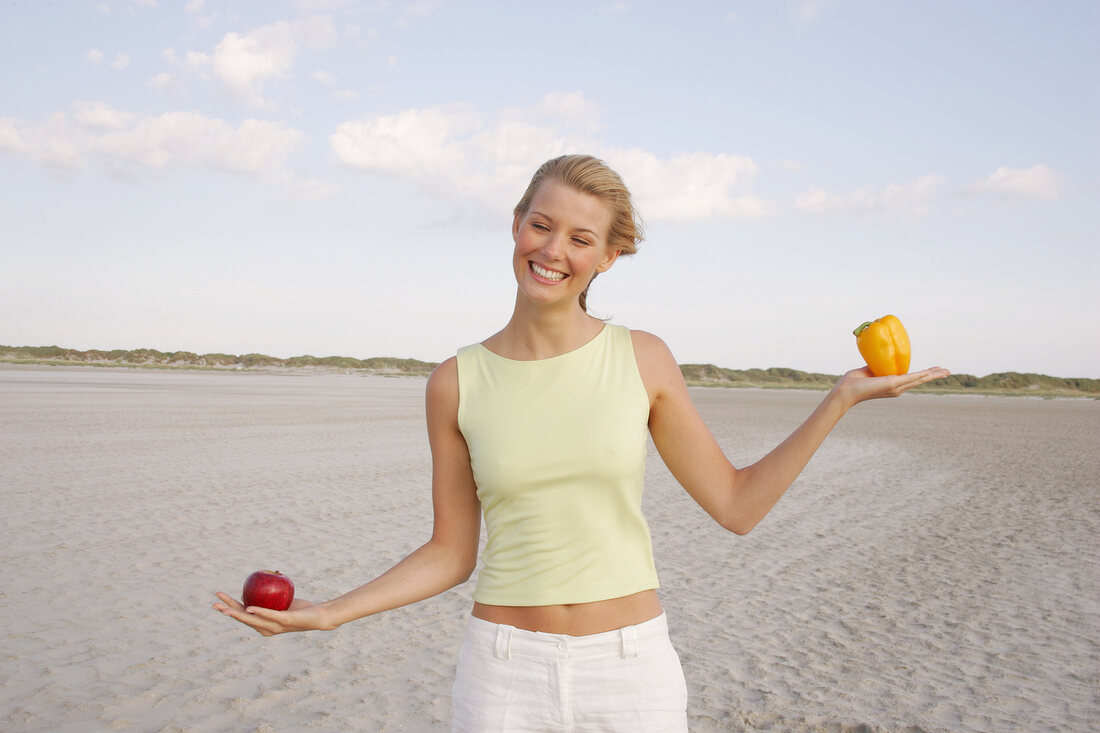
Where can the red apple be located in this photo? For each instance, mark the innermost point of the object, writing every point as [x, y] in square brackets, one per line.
[269, 589]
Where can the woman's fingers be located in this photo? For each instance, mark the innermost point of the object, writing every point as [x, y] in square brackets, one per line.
[227, 601]
[865, 386]
[268, 615]
[266, 621]
[263, 620]
[269, 622]
[923, 377]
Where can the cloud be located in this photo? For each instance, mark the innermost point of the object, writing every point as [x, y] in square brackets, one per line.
[324, 78]
[458, 151]
[246, 63]
[163, 82]
[414, 143]
[917, 197]
[315, 5]
[807, 10]
[10, 139]
[49, 143]
[201, 19]
[130, 4]
[316, 31]
[414, 10]
[914, 197]
[98, 116]
[123, 143]
[1037, 182]
[690, 186]
[568, 108]
[121, 60]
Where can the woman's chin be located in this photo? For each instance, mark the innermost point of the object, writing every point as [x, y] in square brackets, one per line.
[548, 296]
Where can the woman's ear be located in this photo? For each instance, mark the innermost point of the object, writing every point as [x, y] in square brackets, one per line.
[515, 225]
[608, 261]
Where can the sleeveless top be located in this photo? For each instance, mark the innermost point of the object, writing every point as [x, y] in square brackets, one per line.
[558, 451]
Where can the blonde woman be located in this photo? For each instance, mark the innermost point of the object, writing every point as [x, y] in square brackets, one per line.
[542, 429]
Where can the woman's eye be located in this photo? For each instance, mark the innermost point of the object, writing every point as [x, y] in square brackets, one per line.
[581, 241]
[541, 227]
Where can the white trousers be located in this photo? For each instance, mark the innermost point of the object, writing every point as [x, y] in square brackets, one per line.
[517, 681]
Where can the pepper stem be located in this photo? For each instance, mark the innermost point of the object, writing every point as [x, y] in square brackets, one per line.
[859, 330]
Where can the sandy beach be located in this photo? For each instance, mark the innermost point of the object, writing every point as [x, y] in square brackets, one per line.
[936, 568]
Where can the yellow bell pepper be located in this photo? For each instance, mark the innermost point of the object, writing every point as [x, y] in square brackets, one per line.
[884, 345]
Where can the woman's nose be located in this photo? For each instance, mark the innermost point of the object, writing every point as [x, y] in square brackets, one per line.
[552, 246]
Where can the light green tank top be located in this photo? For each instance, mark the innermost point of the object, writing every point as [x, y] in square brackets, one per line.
[558, 450]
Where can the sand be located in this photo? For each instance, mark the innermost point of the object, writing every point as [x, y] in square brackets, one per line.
[934, 569]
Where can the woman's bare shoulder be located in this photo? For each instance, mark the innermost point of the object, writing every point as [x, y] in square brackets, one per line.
[650, 347]
[656, 363]
[443, 383]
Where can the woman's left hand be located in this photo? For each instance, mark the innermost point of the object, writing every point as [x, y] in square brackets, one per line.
[860, 385]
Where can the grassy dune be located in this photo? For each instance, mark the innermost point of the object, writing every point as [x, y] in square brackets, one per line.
[700, 375]
[189, 360]
[1005, 383]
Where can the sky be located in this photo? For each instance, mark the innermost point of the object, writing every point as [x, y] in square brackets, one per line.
[337, 178]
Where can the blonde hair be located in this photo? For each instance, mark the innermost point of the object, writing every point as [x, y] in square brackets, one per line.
[592, 176]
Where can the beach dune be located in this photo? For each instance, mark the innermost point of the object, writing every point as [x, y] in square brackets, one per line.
[934, 569]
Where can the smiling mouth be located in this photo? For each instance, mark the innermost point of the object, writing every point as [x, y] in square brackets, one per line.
[547, 274]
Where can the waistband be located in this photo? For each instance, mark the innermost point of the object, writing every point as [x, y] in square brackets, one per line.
[507, 641]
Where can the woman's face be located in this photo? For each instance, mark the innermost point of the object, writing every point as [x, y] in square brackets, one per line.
[561, 243]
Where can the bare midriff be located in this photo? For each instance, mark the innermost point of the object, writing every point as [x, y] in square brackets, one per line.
[576, 619]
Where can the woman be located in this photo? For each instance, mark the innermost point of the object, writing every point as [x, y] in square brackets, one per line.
[542, 428]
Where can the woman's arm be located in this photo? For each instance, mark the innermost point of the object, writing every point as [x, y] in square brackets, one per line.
[446, 560]
[739, 498]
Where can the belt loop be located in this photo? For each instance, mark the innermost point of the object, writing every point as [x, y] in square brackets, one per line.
[630, 642]
[504, 641]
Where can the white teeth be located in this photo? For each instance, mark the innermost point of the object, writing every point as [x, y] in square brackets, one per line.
[547, 274]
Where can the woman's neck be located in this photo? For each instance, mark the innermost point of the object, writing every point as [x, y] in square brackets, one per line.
[541, 333]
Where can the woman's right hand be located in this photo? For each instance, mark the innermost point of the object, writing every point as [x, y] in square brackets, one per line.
[301, 616]
[444, 561]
